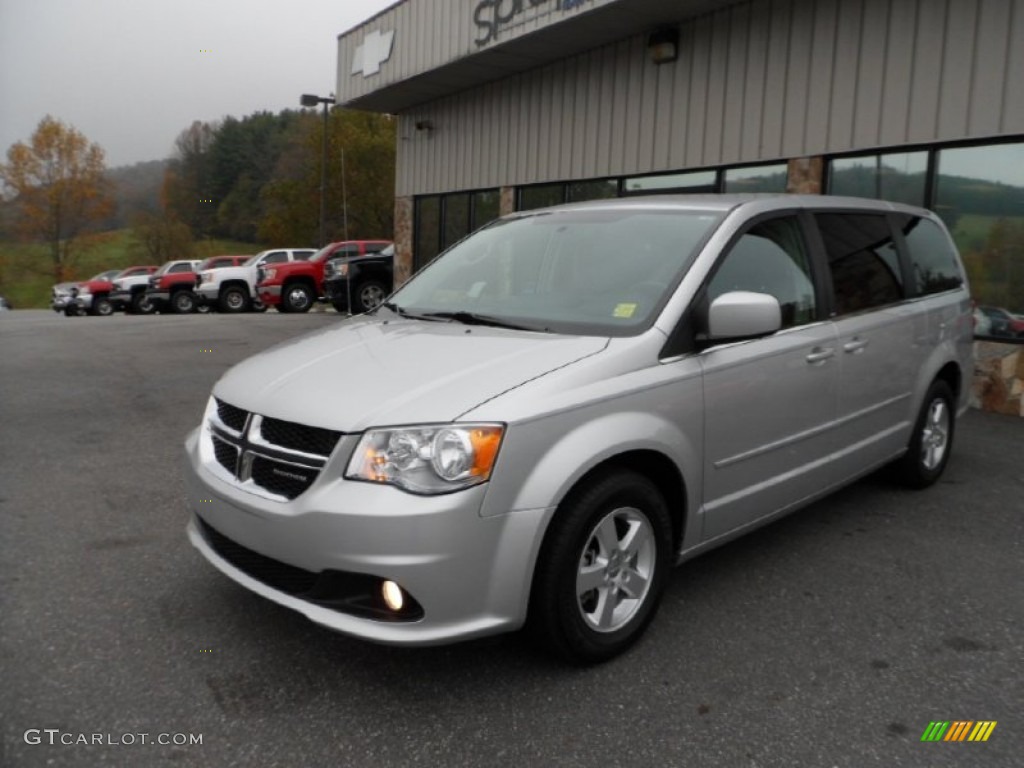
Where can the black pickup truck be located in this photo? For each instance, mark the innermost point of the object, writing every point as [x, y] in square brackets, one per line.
[368, 280]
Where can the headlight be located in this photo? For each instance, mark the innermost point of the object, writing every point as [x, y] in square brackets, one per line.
[427, 459]
[341, 270]
[268, 274]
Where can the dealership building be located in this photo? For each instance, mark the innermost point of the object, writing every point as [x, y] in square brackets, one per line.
[506, 105]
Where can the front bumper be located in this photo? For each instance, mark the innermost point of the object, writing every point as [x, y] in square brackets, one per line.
[470, 574]
[336, 290]
[120, 299]
[269, 294]
[159, 299]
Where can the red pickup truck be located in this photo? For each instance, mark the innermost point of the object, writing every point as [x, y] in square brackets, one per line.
[294, 286]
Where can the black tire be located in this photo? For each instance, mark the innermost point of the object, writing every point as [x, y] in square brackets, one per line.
[233, 299]
[203, 308]
[932, 440]
[572, 623]
[72, 310]
[369, 294]
[297, 297]
[101, 307]
[141, 305]
[183, 302]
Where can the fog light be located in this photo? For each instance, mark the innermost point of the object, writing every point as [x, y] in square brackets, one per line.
[392, 594]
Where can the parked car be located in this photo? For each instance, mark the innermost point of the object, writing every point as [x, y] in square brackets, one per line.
[367, 280]
[233, 289]
[82, 297]
[1002, 322]
[295, 286]
[128, 290]
[5, 305]
[568, 402]
[172, 287]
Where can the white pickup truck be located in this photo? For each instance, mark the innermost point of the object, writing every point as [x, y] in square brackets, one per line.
[233, 289]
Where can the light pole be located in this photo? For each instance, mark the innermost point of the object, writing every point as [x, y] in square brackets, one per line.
[309, 100]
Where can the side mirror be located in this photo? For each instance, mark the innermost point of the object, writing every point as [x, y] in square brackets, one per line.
[743, 315]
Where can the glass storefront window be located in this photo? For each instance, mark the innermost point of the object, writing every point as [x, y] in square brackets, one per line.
[428, 230]
[980, 196]
[758, 178]
[896, 176]
[541, 196]
[456, 218]
[486, 206]
[604, 189]
[693, 181]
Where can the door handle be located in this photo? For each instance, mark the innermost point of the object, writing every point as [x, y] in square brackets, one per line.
[856, 346]
[820, 355]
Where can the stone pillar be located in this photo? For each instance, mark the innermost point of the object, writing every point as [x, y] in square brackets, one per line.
[403, 239]
[507, 201]
[806, 175]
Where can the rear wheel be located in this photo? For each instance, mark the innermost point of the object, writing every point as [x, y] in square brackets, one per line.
[234, 299]
[297, 297]
[932, 439]
[602, 568]
[183, 302]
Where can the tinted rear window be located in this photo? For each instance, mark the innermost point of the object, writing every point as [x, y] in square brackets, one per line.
[932, 255]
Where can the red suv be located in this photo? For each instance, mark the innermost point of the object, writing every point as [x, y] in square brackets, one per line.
[295, 285]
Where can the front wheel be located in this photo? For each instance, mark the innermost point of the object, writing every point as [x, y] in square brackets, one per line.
[102, 307]
[370, 294]
[932, 440]
[602, 568]
[234, 299]
[183, 302]
[297, 298]
[141, 305]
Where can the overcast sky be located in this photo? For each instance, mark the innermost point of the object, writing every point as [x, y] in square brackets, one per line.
[132, 74]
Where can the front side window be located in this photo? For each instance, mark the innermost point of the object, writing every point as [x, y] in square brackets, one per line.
[863, 260]
[184, 267]
[771, 257]
[604, 272]
[277, 257]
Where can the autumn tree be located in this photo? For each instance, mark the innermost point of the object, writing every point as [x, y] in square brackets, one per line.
[57, 185]
[360, 203]
[161, 237]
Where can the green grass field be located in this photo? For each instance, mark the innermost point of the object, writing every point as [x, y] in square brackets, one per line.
[26, 271]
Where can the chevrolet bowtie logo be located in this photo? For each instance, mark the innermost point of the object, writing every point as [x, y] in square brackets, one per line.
[375, 50]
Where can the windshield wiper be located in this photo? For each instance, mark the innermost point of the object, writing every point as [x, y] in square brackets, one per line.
[472, 318]
[403, 312]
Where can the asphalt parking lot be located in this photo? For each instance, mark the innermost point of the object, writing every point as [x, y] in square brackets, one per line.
[830, 638]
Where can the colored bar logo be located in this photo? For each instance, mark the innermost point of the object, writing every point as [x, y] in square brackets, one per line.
[958, 730]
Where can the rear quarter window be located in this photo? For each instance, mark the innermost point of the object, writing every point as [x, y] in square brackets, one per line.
[863, 260]
[934, 259]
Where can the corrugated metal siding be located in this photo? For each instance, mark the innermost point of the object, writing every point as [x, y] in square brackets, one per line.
[758, 81]
[430, 33]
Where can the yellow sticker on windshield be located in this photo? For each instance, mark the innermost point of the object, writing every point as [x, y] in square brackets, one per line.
[624, 310]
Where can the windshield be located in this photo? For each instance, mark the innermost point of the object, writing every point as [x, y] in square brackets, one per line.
[107, 276]
[593, 272]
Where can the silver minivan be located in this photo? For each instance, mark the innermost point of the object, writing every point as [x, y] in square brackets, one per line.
[568, 402]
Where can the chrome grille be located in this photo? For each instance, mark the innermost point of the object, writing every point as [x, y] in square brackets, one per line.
[288, 434]
[281, 458]
[231, 416]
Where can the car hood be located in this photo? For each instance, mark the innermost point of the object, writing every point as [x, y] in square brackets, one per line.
[369, 372]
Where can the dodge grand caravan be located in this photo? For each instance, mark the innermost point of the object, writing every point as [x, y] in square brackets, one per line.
[544, 420]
